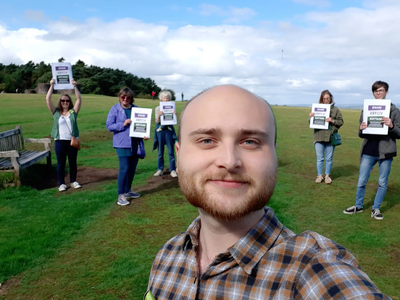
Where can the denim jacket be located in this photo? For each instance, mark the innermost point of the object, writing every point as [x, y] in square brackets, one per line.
[115, 123]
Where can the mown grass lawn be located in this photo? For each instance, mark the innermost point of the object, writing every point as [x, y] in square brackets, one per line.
[81, 245]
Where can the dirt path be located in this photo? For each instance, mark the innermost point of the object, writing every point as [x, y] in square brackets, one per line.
[89, 177]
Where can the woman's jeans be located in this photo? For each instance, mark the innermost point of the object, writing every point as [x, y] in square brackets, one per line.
[324, 150]
[63, 149]
[127, 169]
[367, 163]
[165, 138]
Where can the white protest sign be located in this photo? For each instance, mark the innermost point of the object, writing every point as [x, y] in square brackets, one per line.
[374, 111]
[168, 117]
[62, 74]
[321, 112]
[141, 122]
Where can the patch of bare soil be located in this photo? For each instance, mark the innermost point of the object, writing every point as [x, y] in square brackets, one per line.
[89, 177]
[9, 284]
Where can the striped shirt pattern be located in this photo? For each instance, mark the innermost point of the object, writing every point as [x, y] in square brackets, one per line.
[269, 262]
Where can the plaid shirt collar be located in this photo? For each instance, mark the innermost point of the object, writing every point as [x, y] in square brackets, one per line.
[250, 248]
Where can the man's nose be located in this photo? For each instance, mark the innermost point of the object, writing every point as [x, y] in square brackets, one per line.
[229, 157]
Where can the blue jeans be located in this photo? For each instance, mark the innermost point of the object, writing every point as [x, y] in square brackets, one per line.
[63, 149]
[127, 169]
[164, 137]
[367, 163]
[324, 150]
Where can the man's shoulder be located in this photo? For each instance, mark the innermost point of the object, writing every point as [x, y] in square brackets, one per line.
[313, 240]
[310, 245]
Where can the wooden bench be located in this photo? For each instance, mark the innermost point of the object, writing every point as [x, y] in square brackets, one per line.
[13, 157]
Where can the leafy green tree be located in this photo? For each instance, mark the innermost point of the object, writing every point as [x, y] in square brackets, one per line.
[88, 86]
[45, 78]
[93, 79]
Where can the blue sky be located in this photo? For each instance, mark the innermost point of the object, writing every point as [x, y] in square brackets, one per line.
[343, 46]
[176, 13]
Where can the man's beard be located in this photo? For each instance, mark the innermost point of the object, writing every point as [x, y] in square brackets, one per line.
[256, 197]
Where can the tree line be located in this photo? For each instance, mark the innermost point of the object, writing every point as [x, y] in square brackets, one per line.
[92, 79]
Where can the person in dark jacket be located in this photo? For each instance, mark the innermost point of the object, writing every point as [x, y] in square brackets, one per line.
[118, 122]
[322, 138]
[376, 149]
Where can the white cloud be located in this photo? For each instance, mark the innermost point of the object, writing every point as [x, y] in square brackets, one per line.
[344, 52]
[233, 15]
[317, 3]
[35, 15]
[210, 9]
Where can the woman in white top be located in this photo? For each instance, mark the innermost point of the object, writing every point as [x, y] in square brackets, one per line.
[64, 126]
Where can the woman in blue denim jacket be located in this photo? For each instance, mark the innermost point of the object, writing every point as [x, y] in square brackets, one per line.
[118, 122]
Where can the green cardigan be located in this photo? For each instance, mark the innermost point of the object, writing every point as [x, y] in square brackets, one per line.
[72, 116]
[324, 135]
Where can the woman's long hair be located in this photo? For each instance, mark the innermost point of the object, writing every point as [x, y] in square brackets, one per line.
[71, 105]
[321, 98]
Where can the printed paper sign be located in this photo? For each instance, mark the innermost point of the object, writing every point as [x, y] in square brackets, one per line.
[141, 122]
[321, 112]
[374, 111]
[168, 117]
[62, 74]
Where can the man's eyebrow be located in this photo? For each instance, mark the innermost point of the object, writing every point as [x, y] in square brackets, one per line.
[213, 131]
[207, 131]
[254, 132]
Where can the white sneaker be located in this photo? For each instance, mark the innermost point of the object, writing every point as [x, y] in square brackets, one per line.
[75, 185]
[122, 200]
[62, 188]
[159, 173]
[174, 174]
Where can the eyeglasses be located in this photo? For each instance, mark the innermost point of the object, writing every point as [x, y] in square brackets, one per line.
[378, 91]
[124, 97]
[66, 101]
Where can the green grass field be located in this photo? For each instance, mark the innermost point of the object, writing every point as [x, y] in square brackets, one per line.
[81, 245]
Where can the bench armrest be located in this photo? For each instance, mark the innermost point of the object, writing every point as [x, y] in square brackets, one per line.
[45, 141]
[12, 153]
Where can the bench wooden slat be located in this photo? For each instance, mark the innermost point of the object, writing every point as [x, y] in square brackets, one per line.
[29, 158]
[14, 157]
[9, 133]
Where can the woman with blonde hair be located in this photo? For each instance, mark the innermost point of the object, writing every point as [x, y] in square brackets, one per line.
[164, 135]
[322, 138]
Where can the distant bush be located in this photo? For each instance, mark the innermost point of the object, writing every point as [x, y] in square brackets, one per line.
[143, 96]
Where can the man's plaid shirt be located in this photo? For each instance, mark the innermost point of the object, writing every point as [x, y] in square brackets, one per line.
[270, 262]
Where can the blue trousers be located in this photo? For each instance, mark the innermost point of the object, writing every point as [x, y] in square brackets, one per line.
[164, 137]
[367, 163]
[63, 149]
[127, 169]
[324, 150]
